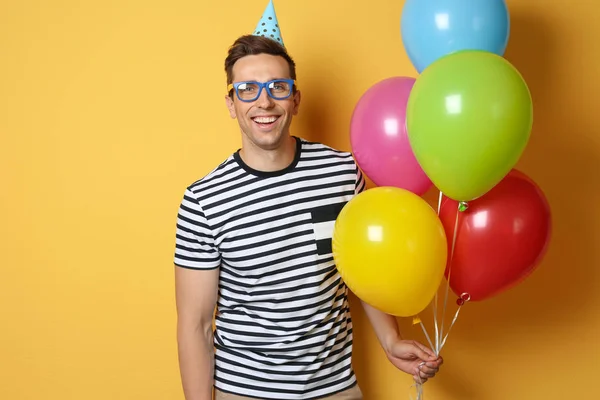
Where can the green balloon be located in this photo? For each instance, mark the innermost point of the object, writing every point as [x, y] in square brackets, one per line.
[469, 118]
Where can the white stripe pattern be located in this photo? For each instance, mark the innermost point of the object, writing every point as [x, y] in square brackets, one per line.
[283, 326]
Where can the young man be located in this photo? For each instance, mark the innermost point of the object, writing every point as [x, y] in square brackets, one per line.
[254, 240]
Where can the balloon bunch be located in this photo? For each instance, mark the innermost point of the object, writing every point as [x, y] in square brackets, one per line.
[461, 126]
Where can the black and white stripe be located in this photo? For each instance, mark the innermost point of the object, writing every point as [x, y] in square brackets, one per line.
[283, 327]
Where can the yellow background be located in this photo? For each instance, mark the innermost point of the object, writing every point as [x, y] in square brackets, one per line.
[108, 109]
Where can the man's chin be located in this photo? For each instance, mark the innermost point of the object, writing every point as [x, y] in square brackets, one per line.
[268, 140]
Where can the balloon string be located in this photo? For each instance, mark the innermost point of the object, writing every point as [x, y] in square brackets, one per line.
[441, 335]
[435, 300]
[439, 342]
[419, 388]
[426, 335]
[436, 349]
[450, 327]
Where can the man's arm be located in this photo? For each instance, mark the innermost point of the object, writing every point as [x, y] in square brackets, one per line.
[406, 355]
[196, 297]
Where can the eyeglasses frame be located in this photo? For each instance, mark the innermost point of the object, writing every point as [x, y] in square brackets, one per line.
[234, 86]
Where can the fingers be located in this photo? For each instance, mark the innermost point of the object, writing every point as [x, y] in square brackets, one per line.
[427, 372]
[436, 363]
[433, 362]
[423, 352]
[423, 373]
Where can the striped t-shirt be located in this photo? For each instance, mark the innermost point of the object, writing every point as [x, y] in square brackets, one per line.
[283, 326]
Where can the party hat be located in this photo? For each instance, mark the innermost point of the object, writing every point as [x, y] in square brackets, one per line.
[268, 25]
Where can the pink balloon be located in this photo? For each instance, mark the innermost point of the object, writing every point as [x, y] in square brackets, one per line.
[379, 140]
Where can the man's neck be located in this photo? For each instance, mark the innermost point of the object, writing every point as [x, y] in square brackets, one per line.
[269, 160]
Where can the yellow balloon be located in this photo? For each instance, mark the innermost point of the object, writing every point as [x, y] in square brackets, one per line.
[390, 248]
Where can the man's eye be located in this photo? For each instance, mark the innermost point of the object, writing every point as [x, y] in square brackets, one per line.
[247, 88]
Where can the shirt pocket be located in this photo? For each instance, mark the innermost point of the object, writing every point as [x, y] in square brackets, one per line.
[323, 222]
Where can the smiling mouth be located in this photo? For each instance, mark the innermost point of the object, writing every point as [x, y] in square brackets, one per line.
[265, 120]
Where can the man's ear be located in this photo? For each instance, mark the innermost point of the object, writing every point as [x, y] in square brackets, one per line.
[230, 107]
[297, 98]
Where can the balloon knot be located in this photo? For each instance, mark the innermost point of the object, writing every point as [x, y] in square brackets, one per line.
[463, 299]
[463, 206]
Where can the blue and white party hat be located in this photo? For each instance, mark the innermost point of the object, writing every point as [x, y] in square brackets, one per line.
[268, 25]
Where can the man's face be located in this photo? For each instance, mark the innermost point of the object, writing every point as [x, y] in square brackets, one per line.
[265, 122]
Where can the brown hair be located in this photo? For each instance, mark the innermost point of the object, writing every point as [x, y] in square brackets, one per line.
[250, 45]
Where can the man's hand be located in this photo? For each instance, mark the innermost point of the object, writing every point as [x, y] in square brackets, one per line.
[413, 358]
[407, 355]
[196, 296]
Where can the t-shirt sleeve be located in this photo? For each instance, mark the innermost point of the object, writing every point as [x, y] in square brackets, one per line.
[361, 185]
[194, 245]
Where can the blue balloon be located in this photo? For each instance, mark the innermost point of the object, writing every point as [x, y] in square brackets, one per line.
[432, 29]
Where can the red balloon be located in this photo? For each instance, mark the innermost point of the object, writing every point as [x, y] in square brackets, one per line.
[501, 237]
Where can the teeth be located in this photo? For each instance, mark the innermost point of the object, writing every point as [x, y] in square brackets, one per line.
[265, 120]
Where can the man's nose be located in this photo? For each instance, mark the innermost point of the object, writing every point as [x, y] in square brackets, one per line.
[264, 100]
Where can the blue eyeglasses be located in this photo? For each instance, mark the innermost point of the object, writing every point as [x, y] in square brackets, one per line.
[278, 89]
